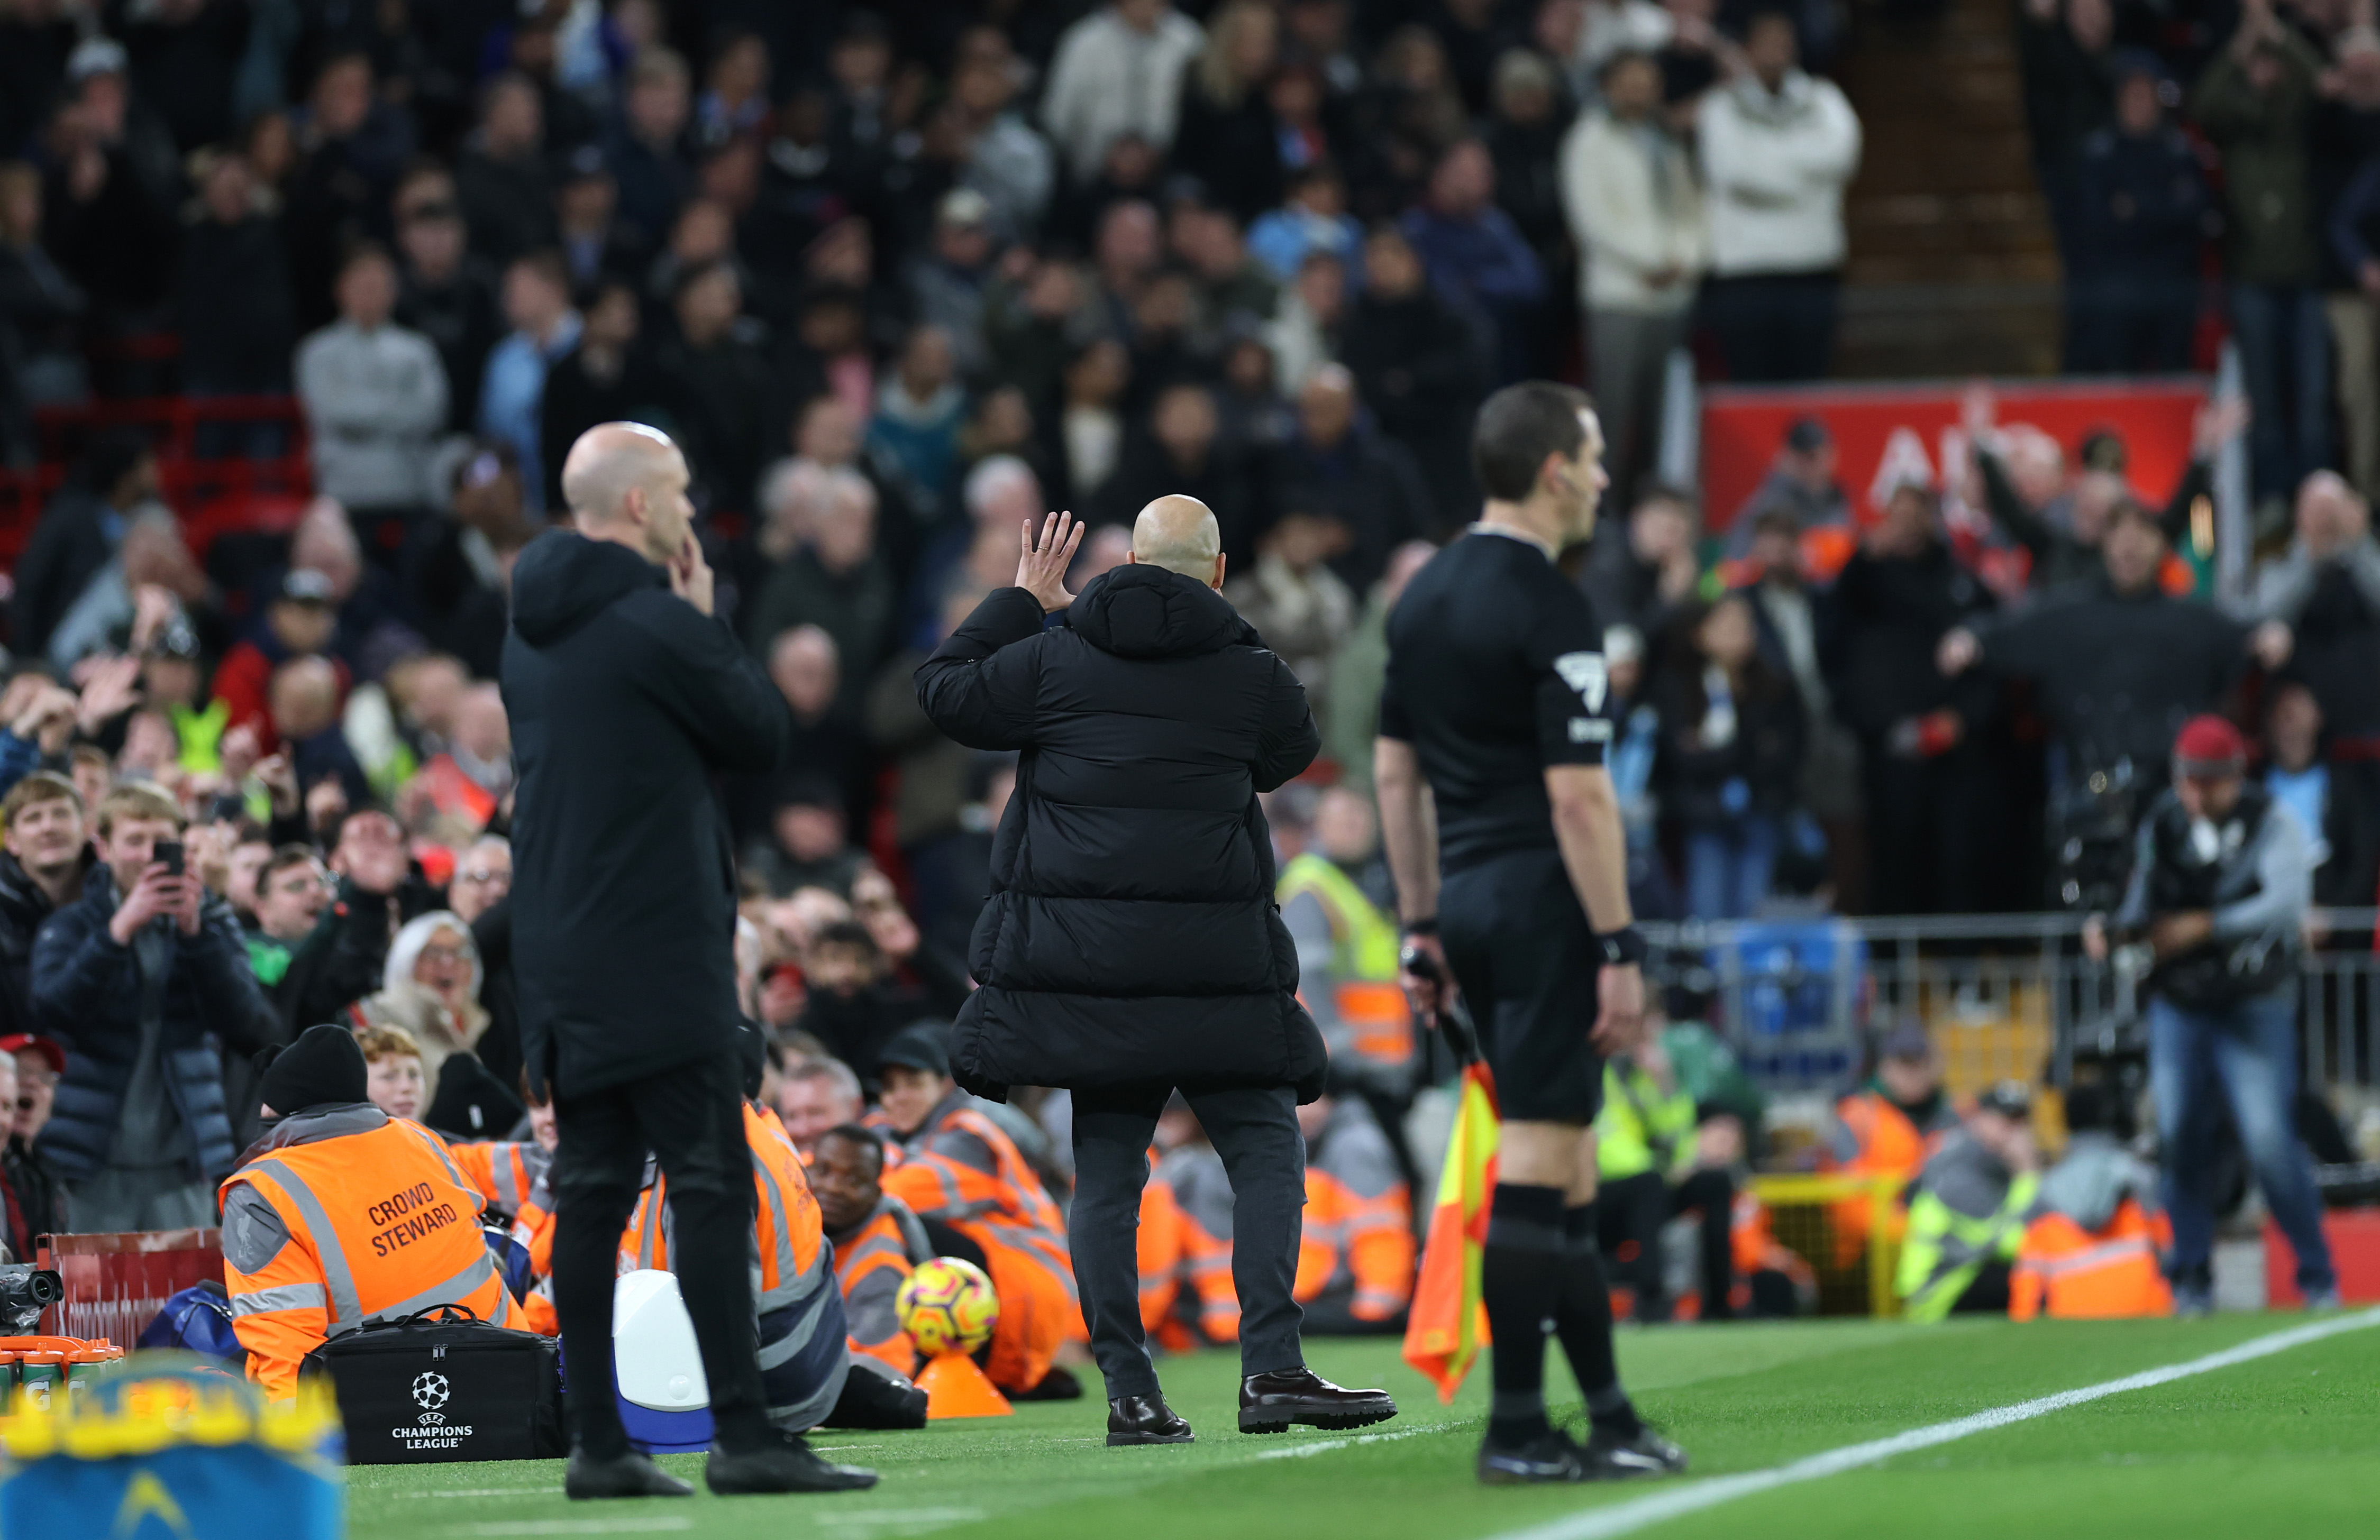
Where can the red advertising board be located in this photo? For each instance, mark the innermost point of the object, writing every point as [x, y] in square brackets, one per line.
[1890, 434]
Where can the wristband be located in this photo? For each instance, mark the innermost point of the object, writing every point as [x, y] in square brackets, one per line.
[1422, 927]
[1625, 947]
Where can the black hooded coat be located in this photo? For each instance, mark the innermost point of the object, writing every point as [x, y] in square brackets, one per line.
[1131, 936]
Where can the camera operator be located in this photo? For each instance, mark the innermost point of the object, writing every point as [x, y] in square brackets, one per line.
[2221, 880]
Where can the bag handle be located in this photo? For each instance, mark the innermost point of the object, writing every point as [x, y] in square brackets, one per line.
[435, 1315]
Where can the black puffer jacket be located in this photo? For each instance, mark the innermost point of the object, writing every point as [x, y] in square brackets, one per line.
[626, 703]
[1131, 935]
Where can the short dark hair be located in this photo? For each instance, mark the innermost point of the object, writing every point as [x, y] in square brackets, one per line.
[283, 858]
[846, 933]
[857, 1134]
[1518, 427]
[2132, 508]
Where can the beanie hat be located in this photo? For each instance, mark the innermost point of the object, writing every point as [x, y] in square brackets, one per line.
[323, 1067]
[2208, 747]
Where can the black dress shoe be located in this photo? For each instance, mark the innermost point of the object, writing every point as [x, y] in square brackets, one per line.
[1550, 1457]
[1145, 1420]
[1269, 1403]
[790, 1466]
[628, 1476]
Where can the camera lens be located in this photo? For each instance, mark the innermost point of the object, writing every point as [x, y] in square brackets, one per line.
[45, 1288]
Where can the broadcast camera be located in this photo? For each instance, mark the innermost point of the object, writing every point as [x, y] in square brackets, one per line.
[2091, 826]
[25, 1291]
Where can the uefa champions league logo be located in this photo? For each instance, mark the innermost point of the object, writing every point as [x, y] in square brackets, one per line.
[429, 1390]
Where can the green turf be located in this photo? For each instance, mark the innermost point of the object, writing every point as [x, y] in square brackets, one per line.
[2281, 1446]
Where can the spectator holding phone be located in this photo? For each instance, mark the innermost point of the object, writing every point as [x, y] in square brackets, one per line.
[137, 974]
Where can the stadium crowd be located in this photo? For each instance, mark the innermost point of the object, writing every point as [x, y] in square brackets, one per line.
[897, 285]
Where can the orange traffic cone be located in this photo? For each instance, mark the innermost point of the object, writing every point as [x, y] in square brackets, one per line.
[955, 1387]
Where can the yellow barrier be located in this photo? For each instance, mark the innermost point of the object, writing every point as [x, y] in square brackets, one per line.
[1800, 1211]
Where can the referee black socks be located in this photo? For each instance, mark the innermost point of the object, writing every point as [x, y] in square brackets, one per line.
[1583, 1317]
[1520, 1284]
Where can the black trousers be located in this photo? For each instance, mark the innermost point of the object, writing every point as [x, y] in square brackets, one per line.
[1256, 1133]
[1774, 328]
[1630, 1214]
[691, 1118]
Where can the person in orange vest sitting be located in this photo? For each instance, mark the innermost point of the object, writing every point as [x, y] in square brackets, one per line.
[878, 1242]
[1356, 1255]
[2093, 1247]
[1198, 1199]
[959, 1168]
[516, 1177]
[341, 1214]
[1889, 1127]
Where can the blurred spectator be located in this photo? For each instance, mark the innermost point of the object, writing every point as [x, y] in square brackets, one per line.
[1730, 772]
[290, 894]
[41, 1198]
[804, 847]
[1301, 608]
[47, 853]
[2296, 778]
[152, 555]
[718, 385]
[500, 177]
[1235, 291]
[79, 533]
[603, 377]
[238, 326]
[1313, 218]
[1795, 622]
[1629, 189]
[1801, 483]
[1476, 257]
[1646, 568]
[1129, 173]
[852, 1009]
[1118, 71]
[1007, 161]
[1921, 774]
[1418, 364]
[1227, 137]
[947, 281]
[298, 623]
[1405, 117]
[916, 422]
[146, 967]
[1181, 453]
[429, 990]
[448, 293]
[1523, 137]
[1352, 721]
[2141, 207]
[1090, 426]
[2253, 103]
[40, 364]
[1338, 463]
[393, 1078]
[2317, 610]
[112, 174]
[352, 147]
[512, 397]
[815, 1096]
[1967, 1210]
[374, 394]
[2065, 51]
[1305, 332]
[595, 241]
[376, 893]
[645, 146]
[832, 579]
[1778, 146]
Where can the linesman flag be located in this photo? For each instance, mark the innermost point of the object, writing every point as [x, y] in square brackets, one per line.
[1448, 1325]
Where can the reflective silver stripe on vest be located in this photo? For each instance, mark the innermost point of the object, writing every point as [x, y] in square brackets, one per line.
[437, 1146]
[285, 1296]
[791, 1286]
[346, 1306]
[507, 1187]
[455, 1290]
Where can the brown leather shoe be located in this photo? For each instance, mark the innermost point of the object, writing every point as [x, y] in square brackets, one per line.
[1145, 1420]
[1270, 1403]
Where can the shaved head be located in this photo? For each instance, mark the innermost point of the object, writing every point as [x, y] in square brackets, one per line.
[627, 482]
[1180, 534]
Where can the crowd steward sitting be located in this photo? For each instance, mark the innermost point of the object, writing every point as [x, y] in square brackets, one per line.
[1968, 1209]
[877, 1241]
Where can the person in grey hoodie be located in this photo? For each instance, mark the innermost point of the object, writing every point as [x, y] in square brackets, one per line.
[374, 394]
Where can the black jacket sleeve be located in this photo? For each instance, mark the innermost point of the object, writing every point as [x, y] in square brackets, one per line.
[979, 686]
[700, 676]
[2026, 527]
[2197, 482]
[340, 963]
[230, 1004]
[1289, 740]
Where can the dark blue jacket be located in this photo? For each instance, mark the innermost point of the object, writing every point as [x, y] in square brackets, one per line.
[2144, 206]
[88, 988]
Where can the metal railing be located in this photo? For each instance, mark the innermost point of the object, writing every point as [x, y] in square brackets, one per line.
[2004, 996]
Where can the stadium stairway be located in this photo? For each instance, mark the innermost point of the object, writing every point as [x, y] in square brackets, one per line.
[1953, 269]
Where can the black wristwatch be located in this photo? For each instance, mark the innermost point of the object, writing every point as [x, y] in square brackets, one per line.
[1625, 947]
[1422, 927]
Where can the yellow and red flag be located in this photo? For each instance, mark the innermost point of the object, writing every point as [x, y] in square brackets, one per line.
[1448, 1326]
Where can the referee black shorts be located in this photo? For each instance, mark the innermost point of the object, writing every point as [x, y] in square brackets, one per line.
[1521, 948]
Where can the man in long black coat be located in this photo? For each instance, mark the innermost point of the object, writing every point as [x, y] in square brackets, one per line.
[1130, 946]
[627, 697]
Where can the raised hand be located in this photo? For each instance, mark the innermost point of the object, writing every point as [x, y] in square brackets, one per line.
[1041, 568]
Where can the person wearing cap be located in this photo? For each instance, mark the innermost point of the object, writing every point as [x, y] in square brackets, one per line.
[1801, 483]
[1889, 1128]
[1968, 1211]
[2142, 212]
[2222, 877]
[342, 1215]
[298, 622]
[948, 281]
[544, 327]
[960, 1169]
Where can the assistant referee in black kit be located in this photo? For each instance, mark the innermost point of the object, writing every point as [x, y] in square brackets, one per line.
[1496, 708]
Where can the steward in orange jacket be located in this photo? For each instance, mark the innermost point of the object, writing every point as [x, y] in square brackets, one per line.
[2093, 1247]
[1200, 1194]
[878, 1242]
[960, 1169]
[1355, 1259]
[1889, 1128]
[803, 1359]
[341, 1216]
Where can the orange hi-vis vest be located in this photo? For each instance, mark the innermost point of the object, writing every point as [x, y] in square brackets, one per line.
[374, 1222]
[2069, 1273]
[510, 1176]
[961, 1169]
[1886, 1144]
[1200, 1192]
[1157, 1249]
[788, 1237]
[1358, 1228]
[872, 1262]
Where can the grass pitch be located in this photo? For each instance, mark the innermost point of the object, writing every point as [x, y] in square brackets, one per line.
[2287, 1445]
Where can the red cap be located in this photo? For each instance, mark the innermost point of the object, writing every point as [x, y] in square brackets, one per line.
[2209, 747]
[17, 1042]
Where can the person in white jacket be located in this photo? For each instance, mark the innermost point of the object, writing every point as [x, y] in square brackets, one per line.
[1628, 190]
[374, 394]
[1118, 71]
[1778, 146]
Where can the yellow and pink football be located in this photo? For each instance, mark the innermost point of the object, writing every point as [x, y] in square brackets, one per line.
[947, 1305]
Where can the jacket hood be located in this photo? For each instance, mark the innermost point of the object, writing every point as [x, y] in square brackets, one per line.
[564, 580]
[1145, 611]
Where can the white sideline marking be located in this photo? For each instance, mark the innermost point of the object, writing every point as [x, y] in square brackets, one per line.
[1325, 1446]
[480, 1492]
[1626, 1517]
[583, 1527]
